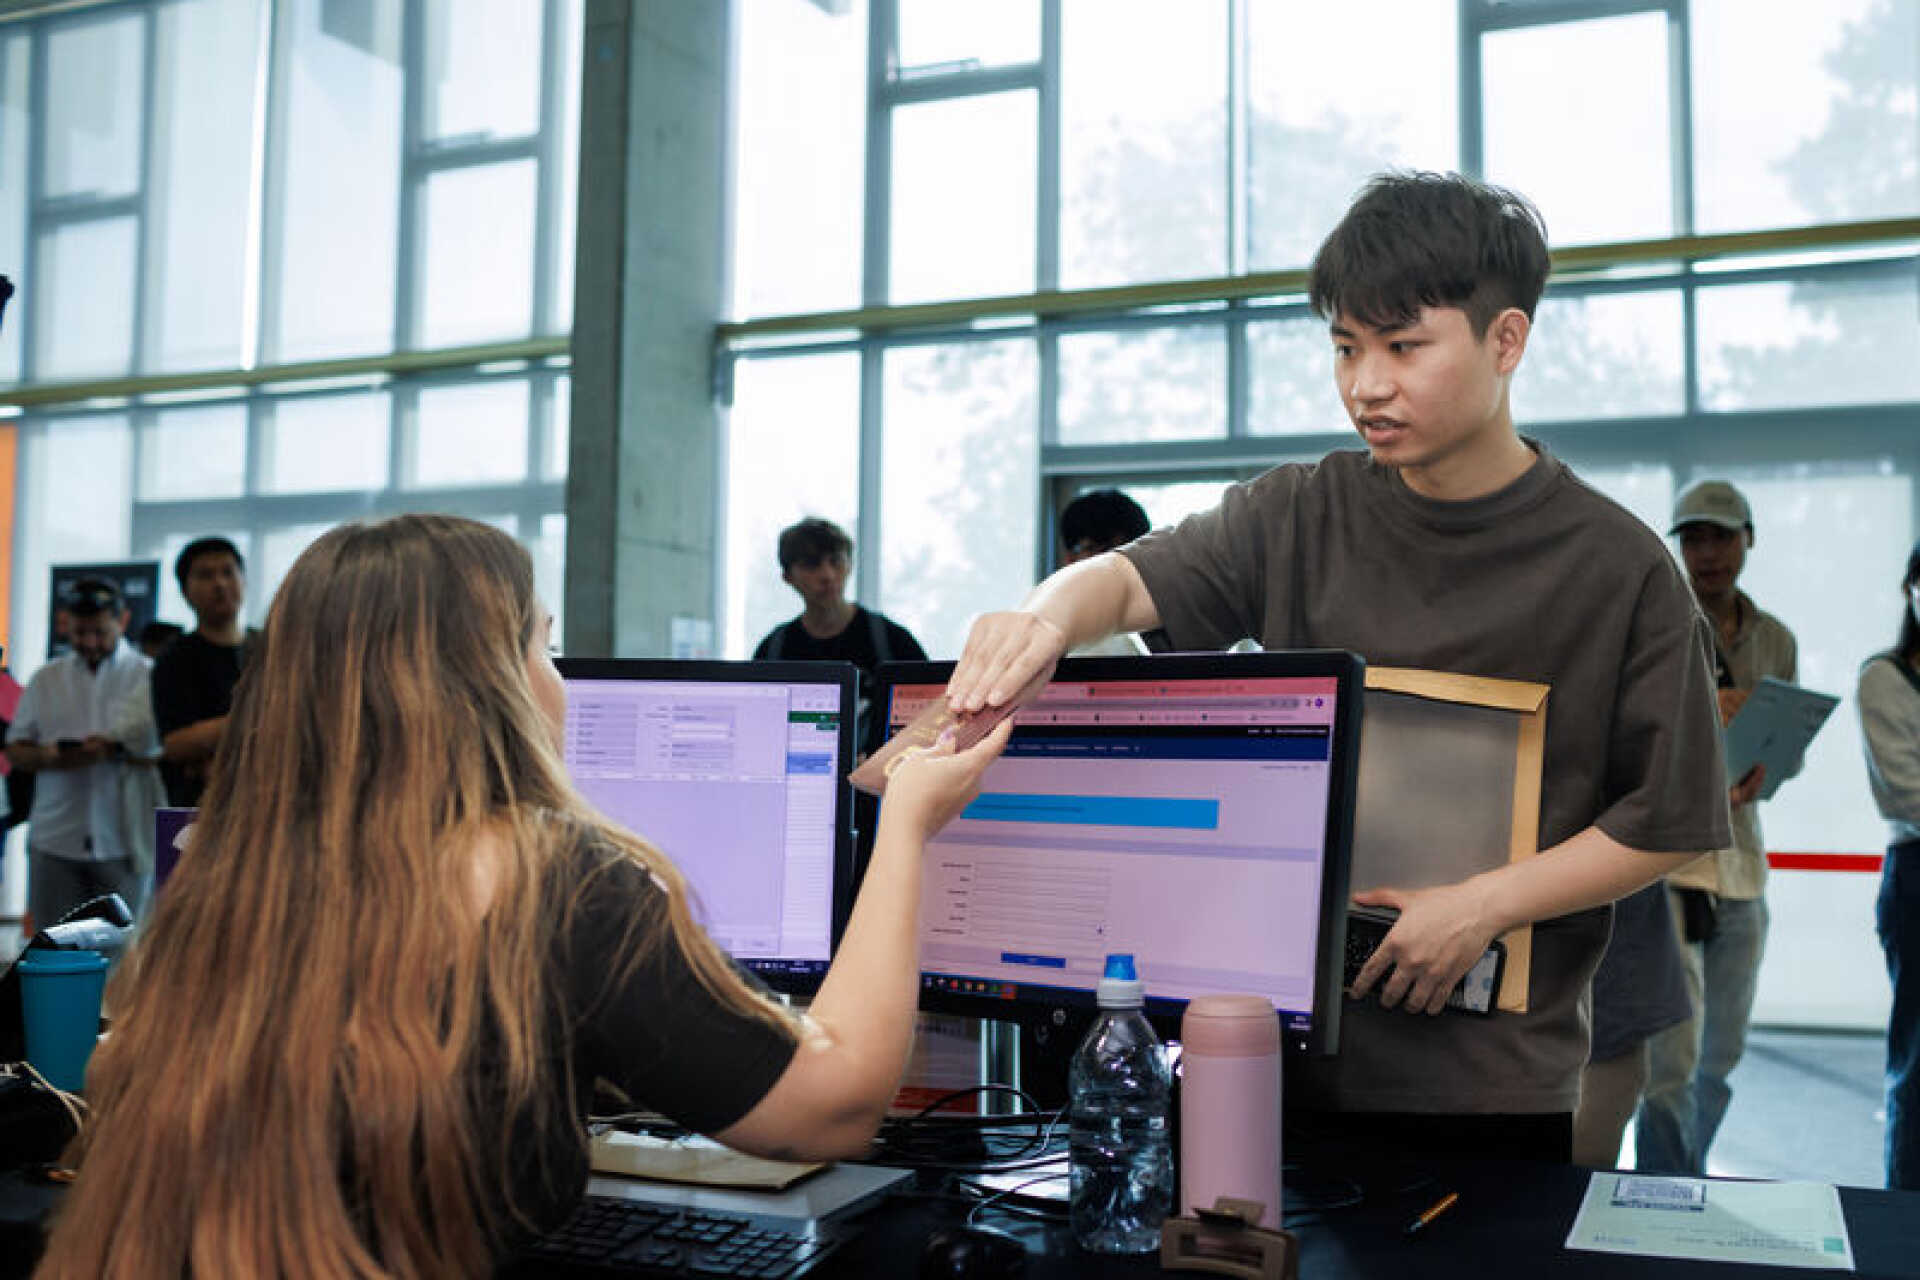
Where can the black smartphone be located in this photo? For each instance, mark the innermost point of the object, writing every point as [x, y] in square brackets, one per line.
[1367, 928]
[68, 744]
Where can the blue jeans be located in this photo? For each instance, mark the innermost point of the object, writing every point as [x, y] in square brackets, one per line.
[1897, 917]
[1688, 1065]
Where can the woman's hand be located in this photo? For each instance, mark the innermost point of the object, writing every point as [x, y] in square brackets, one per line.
[1438, 937]
[930, 787]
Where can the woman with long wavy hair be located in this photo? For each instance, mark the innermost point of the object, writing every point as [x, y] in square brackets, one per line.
[359, 1033]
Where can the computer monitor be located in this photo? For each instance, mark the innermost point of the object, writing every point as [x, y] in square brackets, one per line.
[1193, 809]
[737, 770]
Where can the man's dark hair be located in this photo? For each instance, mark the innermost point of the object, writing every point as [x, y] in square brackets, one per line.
[1909, 646]
[810, 540]
[91, 597]
[1102, 518]
[183, 563]
[1413, 239]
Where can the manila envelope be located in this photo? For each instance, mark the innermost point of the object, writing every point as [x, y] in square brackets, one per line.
[1450, 786]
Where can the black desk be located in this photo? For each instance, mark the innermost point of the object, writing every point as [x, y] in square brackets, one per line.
[1511, 1221]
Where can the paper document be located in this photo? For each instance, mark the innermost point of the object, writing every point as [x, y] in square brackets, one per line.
[693, 1159]
[1782, 1224]
[1773, 727]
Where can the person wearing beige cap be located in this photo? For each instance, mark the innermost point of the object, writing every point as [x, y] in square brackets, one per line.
[1719, 903]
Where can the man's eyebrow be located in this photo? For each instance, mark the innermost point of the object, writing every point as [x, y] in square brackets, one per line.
[1383, 330]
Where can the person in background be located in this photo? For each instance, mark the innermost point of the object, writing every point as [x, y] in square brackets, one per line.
[1889, 701]
[362, 1029]
[816, 557]
[72, 730]
[193, 680]
[1719, 902]
[1099, 520]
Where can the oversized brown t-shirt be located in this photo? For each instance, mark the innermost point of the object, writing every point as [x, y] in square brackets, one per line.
[1545, 580]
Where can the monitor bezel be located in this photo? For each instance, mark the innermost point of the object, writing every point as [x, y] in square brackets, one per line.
[1058, 1006]
[843, 675]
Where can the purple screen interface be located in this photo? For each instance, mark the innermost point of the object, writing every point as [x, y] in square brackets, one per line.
[1183, 820]
[737, 783]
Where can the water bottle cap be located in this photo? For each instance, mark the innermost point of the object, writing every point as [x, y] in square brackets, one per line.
[1120, 987]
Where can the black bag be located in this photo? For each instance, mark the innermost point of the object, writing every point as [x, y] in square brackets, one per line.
[37, 1121]
[1699, 914]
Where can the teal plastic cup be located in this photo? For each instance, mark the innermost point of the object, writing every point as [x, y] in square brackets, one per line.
[60, 996]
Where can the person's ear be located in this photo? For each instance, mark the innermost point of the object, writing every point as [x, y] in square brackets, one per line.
[1509, 332]
[1749, 537]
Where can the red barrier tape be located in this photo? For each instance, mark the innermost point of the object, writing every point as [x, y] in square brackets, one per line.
[1869, 862]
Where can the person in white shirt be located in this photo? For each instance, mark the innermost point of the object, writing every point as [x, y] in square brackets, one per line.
[72, 728]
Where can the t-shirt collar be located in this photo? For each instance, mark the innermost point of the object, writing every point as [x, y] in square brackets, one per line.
[1528, 488]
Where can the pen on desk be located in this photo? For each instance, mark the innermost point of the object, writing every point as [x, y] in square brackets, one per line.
[1438, 1207]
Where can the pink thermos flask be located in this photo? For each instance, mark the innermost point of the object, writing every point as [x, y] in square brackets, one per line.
[1230, 1104]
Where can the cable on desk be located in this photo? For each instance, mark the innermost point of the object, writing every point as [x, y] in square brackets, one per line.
[960, 1143]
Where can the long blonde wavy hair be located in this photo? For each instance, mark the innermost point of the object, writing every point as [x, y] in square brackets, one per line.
[288, 1086]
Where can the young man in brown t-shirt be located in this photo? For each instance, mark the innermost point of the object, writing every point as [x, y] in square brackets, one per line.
[1451, 543]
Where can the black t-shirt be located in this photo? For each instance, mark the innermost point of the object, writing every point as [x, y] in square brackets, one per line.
[192, 681]
[652, 1031]
[854, 644]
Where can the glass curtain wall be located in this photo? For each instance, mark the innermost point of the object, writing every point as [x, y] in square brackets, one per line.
[1068, 144]
[199, 185]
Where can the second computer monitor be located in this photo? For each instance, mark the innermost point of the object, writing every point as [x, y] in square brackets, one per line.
[737, 770]
[1195, 810]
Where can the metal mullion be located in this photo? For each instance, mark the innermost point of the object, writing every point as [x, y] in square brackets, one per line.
[269, 155]
[428, 157]
[1046, 256]
[1239, 372]
[36, 183]
[1185, 455]
[63, 211]
[872, 425]
[546, 196]
[1538, 14]
[875, 282]
[945, 86]
[412, 41]
[1473, 150]
[140, 358]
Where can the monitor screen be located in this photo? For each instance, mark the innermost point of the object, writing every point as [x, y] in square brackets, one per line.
[1194, 809]
[737, 771]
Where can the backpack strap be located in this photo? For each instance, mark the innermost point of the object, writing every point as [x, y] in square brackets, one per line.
[877, 629]
[777, 642]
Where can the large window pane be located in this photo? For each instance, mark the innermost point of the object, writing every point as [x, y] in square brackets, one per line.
[279, 548]
[944, 35]
[1646, 489]
[793, 450]
[1603, 356]
[549, 550]
[1780, 345]
[801, 102]
[472, 435]
[321, 444]
[963, 198]
[208, 56]
[959, 477]
[1577, 119]
[482, 69]
[15, 59]
[82, 299]
[1154, 384]
[338, 197]
[74, 496]
[197, 452]
[1806, 114]
[1143, 151]
[1313, 139]
[96, 73]
[1290, 383]
[477, 242]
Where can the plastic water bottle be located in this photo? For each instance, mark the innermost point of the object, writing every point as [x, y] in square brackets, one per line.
[1120, 1154]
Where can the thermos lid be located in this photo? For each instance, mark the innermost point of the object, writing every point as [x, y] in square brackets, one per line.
[1230, 1027]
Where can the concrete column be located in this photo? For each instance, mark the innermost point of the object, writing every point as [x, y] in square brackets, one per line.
[644, 481]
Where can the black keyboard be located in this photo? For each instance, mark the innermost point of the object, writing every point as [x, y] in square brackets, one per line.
[613, 1237]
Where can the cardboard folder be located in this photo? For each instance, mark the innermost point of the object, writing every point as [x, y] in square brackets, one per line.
[1449, 787]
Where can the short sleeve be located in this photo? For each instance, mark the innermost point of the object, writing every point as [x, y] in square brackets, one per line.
[1665, 785]
[172, 690]
[26, 715]
[653, 1029]
[1207, 574]
[1891, 732]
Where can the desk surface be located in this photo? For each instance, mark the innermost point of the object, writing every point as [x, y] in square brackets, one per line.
[1512, 1220]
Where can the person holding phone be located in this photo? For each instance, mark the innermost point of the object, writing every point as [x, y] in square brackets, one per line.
[70, 730]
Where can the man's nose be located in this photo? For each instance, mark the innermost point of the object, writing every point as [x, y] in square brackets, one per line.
[1371, 382]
